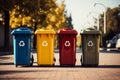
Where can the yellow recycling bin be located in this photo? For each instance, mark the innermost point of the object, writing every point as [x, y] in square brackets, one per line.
[45, 47]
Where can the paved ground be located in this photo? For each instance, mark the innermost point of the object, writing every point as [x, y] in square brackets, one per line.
[108, 69]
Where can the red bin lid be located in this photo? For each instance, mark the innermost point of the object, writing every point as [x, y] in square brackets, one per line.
[67, 31]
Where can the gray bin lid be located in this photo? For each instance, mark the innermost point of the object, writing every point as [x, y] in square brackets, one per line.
[90, 32]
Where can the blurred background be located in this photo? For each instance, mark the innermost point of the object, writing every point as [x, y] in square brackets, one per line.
[102, 15]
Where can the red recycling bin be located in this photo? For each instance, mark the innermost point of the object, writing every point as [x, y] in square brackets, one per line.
[67, 47]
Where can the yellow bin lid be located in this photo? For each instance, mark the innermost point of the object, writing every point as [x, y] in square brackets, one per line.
[43, 31]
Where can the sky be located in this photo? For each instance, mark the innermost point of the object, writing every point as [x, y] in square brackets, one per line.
[83, 11]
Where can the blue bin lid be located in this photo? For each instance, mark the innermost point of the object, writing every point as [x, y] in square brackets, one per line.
[22, 31]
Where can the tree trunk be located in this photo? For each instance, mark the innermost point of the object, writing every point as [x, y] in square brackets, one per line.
[34, 39]
[6, 31]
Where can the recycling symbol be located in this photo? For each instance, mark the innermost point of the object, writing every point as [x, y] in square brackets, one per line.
[44, 43]
[21, 43]
[67, 43]
[90, 43]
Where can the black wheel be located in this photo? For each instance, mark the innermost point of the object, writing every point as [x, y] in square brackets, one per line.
[31, 61]
[81, 59]
[55, 59]
[53, 64]
[16, 65]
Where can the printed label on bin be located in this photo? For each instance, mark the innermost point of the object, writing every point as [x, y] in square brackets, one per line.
[67, 43]
[21, 43]
[90, 43]
[44, 43]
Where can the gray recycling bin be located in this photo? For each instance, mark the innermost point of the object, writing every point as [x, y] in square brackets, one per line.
[22, 38]
[90, 48]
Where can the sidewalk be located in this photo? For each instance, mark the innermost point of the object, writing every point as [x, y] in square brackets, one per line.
[108, 69]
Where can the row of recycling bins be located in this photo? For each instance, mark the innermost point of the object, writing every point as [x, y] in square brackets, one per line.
[22, 39]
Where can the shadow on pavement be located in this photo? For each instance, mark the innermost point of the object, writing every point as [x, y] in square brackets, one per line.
[112, 51]
[100, 66]
[4, 57]
[76, 66]
[10, 63]
[109, 66]
[22, 71]
[6, 53]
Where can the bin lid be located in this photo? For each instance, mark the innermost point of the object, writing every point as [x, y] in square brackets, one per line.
[21, 31]
[67, 31]
[43, 31]
[90, 32]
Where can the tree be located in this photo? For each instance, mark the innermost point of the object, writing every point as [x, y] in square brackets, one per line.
[33, 13]
[25, 13]
[45, 14]
[113, 19]
[69, 22]
[5, 7]
[38, 14]
[113, 23]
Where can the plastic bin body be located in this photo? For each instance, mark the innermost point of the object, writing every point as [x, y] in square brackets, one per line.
[90, 48]
[67, 47]
[22, 46]
[45, 47]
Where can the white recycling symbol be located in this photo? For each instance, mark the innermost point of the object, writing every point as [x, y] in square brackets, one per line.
[67, 43]
[44, 43]
[21, 43]
[90, 43]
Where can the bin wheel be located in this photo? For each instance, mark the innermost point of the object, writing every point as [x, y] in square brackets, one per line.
[31, 61]
[55, 59]
[53, 64]
[81, 59]
[16, 65]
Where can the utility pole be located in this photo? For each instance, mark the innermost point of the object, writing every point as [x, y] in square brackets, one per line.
[104, 15]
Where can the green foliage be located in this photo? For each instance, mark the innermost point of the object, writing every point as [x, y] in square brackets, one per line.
[24, 13]
[39, 13]
[69, 22]
[7, 5]
[112, 24]
[113, 19]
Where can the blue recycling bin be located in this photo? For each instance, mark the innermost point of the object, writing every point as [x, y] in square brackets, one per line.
[22, 38]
